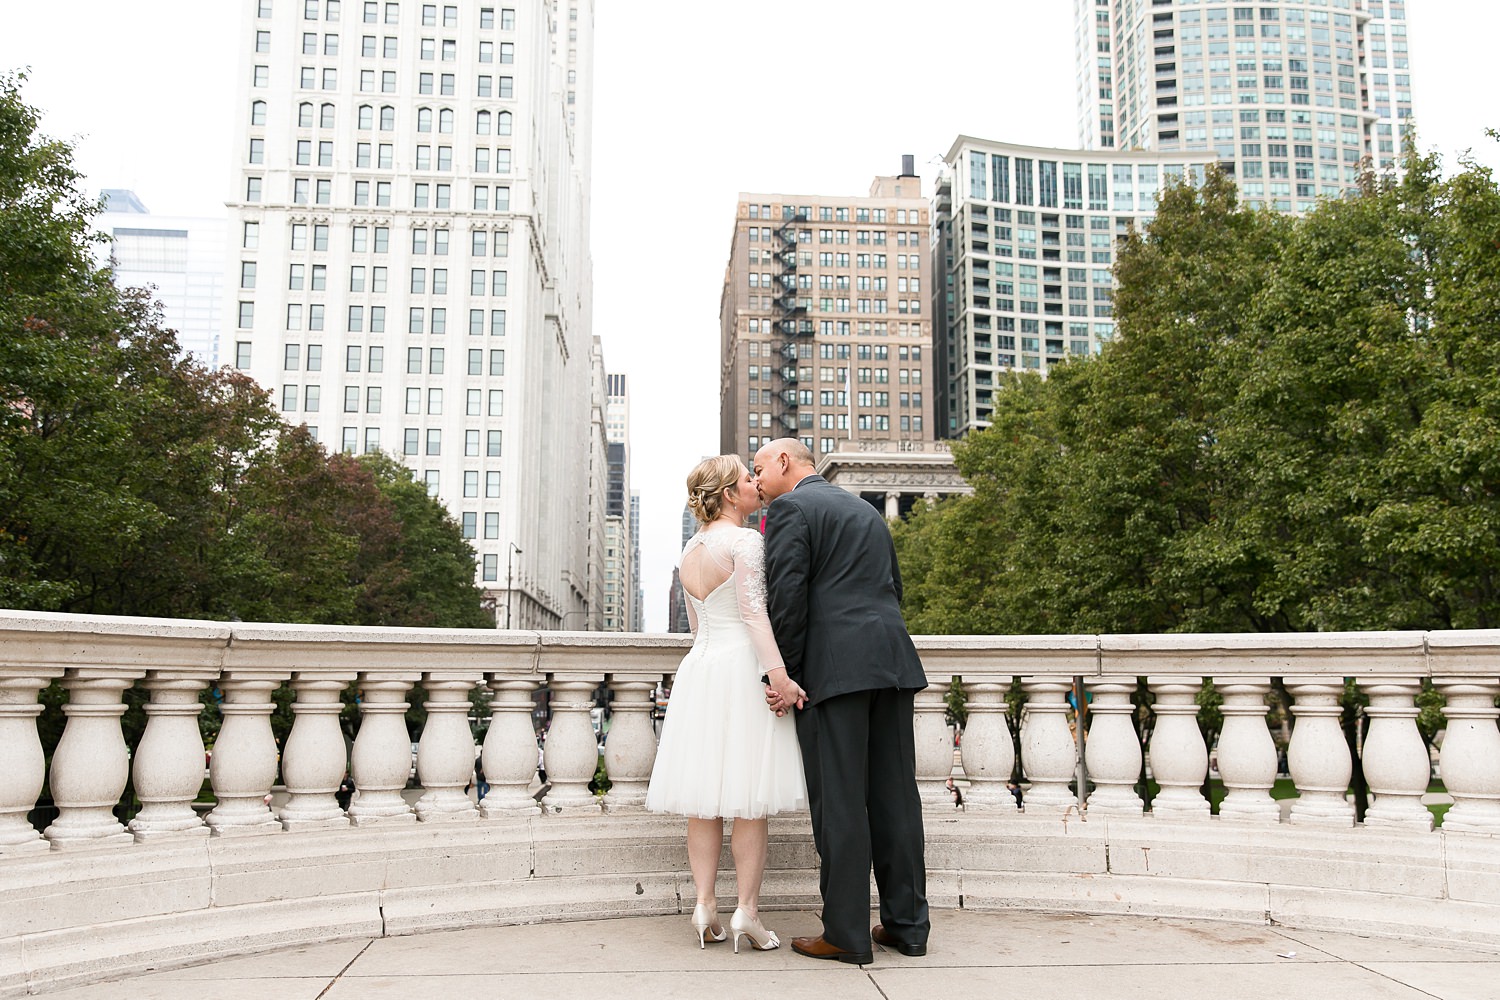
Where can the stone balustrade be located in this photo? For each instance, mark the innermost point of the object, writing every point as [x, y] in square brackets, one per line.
[89, 895]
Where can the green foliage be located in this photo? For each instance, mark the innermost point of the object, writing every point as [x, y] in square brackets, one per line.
[1297, 429]
[135, 481]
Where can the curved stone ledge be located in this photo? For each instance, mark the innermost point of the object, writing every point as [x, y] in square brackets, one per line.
[86, 915]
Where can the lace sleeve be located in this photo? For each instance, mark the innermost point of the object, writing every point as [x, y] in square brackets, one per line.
[750, 593]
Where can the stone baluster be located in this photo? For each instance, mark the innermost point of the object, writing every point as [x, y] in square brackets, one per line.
[1319, 756]
[245, 760]
[1179, 757]
[1247, 753]
[934, 744]
[988, 752]
[1112, 749]
[1048, 754]
[510, 749]
[445, 754]
[168, 764]
[315, 759]
[381, 761]
[570, 753]
[91, 763]
[1470, 761]
[630, 750]
[1397, 768]
[23, 767]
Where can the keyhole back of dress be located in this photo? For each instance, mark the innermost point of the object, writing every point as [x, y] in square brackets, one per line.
[701, 571]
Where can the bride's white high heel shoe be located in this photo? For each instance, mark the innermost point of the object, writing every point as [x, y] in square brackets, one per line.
[751, 927]
[706, 923]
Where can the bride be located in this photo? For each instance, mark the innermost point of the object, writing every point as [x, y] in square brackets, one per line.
[722, 753]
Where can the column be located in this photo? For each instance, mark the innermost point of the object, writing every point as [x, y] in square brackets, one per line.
[168, 765]
[91, 764]
[630, 750]
[1179, 757]
[934, 744]
[244, 759]
[313, 764]
[445, 754]
[1048, 753]
[510, 750]
[1470, 761]
[1112, 749]
[381, 760]
[1319, 756]
[25, 769]
[570, 752]
[989, 752]
[1397, 767]
[892, 506]
[1247, 753]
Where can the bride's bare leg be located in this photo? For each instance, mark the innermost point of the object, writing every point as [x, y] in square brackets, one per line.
[748, 842]
[705, 839]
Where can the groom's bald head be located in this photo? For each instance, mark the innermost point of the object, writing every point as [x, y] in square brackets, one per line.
[780, 465]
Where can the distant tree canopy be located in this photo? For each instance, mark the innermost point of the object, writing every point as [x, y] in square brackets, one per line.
[1297, 429]
[136, 481]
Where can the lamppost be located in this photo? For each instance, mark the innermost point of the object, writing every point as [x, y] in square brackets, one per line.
[514, 550]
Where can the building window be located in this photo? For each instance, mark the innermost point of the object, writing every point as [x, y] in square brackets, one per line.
[242, 347]
[247, 319]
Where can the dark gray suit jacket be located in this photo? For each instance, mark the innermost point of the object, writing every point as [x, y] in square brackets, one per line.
[834, 594]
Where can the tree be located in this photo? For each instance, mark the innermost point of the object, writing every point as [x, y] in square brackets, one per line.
[1296, 429]
[134, 480]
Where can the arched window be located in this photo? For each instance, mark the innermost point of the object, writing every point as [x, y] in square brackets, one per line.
[503, 123]
[387, 118]
[305, 115]
[424, 119]
[325, 119]
[482, 123]
[257, 112]
[366, 117]
[445, 120]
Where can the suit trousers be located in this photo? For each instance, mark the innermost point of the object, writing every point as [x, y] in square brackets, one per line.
[859, 753]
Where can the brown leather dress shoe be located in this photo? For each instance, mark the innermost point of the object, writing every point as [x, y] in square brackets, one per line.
[816, 947]
[881, 937]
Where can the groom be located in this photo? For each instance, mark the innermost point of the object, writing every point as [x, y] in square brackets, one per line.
[834, 594]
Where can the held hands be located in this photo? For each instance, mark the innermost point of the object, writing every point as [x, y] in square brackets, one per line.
[782, 693]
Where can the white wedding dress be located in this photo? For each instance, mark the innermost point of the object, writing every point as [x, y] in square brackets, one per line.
[723, 753]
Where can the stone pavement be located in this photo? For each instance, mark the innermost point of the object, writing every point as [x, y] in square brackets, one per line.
[972, 954]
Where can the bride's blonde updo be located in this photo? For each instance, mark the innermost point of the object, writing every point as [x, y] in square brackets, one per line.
[708, 481]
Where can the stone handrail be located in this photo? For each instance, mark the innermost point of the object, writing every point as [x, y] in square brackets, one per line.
[1226, 863]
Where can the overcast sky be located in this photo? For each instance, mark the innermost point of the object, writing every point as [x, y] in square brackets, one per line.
[695, 103]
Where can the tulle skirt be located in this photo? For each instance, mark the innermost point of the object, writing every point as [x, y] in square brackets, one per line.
[723, 753]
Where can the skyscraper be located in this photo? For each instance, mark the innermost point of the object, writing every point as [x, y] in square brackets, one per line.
[409, 258]
[1024, 241]
[1290, 96]
[180, 258]
[622, 574]
[824, 331]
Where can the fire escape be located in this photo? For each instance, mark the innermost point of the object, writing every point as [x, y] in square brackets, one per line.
[790, 324]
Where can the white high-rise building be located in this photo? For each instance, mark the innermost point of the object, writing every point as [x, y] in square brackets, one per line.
[179, 258]
[1291, 96]
[409, 259]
